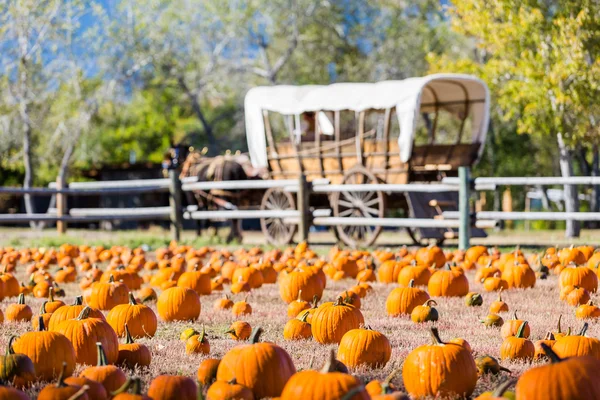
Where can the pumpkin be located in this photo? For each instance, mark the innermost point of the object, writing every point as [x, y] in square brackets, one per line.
[297, 328]
[187, 333]
[178, 304]
[364, 346]
[580, 276]
[8, 393]
[499, 305]
[577, 296]
[18, 312]
[207, 371]
[332, 320]
[577, 345]
[517, 347]
[226, 370]
[473, 299]
[147, 294]
[402, 301]
[224, 303]
[587, 311]
[448, 282]
[310, 281]
[511, 327]
[548, 340]
[264, 368]
[61, 390]
[70, 312]
[48, 351]
[376, 387]
[425, 312]
[475, 252]
[439, 369]
[326, 384]
[571, 255]
[432, 256]
[493, 320]
[389, 270]
[248, 274]
[84, 332]
[231, 390]
[106, 296]
[172, 387]
[489, 365]
[45, 317]
[134, 386]
[241, 308]
[198, 344]
[110, 376]
[419, 273]
[133, 354]
[296, 306]
[239, 330]
[309, 311]
[559, 333]
[140, 319]
[16, 368]
[196, 280]
[519, 275]
[577, 377]
[500, 392]
[52, 304]
[487, 272]
[95, 389]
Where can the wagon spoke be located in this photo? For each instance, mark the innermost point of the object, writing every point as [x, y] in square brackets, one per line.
[372, 202]
[346, 204]
[346, 212]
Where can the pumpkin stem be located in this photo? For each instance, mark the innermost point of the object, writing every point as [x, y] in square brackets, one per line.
[304, 316]
[339, 301]
[111, 279]
[21, 299]
[521, 330]
[411, 283]
[500, 293]
[503, 387]
[429, 302]
[61, 378]
[559, 318]
[446, 267]
[330, 364]
[255, 337]
[435, 336]
[299, 299]
[41, 326]
[132, 300]
[584, 329]
[101, 355]
[515, 315]
[9, 347]
[51, 293]
[554, 358]
[79, 394]
[128, 338]
[78, 301]
[202, 335]
[315, 301]
[85, 313]
[43, 307]
[549, 336]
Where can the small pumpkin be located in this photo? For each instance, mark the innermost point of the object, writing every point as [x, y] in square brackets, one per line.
[221, 390]
[332, 320]
[297, 306]
[198, 344]
[16, 368]
[106, 296]
[517, 347]
[61, 390]
[489, 365]
[178, 304]
[511, 327]
[95, 389]
[52, 305]
[499, 305]
[364, 346]
[297, 329]
[18, 312]
[224, 303]
[548, 340]
[241, 308]
[132, 354]
[402, 301]
[448, 282]
[493, 320]
[473, 299]
[239, 330]
[425, 312]
[587, 311]
[110, 376]
[207, 371]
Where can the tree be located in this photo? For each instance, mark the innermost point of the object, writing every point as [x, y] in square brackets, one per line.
[542, 62]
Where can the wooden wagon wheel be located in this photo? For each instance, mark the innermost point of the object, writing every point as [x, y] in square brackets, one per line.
[359, 205]
[276, 230]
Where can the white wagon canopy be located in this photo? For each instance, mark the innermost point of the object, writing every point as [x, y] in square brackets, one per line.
[441, 122]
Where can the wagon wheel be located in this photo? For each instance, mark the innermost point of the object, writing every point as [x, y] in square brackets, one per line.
[360, 205]
[276, 230]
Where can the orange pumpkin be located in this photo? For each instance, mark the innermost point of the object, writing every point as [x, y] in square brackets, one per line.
[172, 387]
[364, 346]
[70, 312]
[402, 301]
[198, 344]
[511, 327]
[577, 345]
[19, 311]
[579, 276]
[331, 321]
[207, 371]
[517, 347]
[178, 304]
[448, 282]
[140, 319]
[61, 390]
[16, 368]
[132, 354]
[106, 296]
[587, 311]
[499, 305]
[110, 376]
[548, 340]
[519, 275]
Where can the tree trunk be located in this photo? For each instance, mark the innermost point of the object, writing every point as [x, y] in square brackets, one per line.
[570, 191]
[212, 141]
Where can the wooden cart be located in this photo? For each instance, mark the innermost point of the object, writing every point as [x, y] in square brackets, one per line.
[395, 132]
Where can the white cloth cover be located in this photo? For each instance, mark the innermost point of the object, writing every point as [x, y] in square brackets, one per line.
[406, 95]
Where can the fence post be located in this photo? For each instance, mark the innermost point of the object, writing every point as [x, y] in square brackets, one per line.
[304, 188]
[175, 216]
[464, 230]
[61, 205]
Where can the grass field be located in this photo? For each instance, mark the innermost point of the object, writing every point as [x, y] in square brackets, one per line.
[540, 306]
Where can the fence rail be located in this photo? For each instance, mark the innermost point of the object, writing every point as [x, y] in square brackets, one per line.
[304, 216]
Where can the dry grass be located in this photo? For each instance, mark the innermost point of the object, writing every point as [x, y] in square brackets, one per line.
[540, 306]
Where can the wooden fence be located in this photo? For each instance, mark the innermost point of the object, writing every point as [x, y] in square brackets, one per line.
[304, 216]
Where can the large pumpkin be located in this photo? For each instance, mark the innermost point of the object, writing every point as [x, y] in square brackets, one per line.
[580, 276]
[84, 332]
[448, 282]
[140, 319]
[331, 321]
[263, 368]
[576, 377]
[305, 279]
[48, 351]
[105, 296]
[70, 312]
[519, 275]
[327, 384]
[432, 256]
[402, 301]
[178, 304]
[419, 273]
[439, 369]
[364, 346]
[577, 345]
